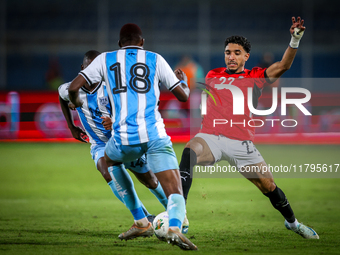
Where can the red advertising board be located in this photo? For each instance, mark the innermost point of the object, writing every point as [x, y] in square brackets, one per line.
[36, 116]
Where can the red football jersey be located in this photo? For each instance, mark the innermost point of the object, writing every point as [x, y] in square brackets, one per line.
[220, 118]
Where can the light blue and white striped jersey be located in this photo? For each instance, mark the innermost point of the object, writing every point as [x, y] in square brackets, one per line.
[96, 104]
[132, 76]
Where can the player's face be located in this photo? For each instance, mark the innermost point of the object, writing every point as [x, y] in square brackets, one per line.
[235, 57]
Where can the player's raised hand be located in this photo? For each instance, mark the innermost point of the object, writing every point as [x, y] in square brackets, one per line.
[296, 30]
[107, 122]
[297, 27]
[79, 134]
[182, 91]
[181, 75]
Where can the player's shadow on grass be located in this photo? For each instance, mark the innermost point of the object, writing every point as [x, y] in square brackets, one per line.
[48, 237]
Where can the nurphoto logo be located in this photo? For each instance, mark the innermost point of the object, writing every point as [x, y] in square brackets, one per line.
[239, 103]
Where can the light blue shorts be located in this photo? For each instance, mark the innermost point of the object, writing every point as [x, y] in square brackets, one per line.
[97, 152]
[159, 153]
[140, 165]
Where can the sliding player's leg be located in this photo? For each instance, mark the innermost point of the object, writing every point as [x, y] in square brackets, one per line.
[260, 175]
[196, 152]
[245, 156]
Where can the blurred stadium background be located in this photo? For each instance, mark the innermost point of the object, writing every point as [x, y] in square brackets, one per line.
[54, 201]
[43, 42]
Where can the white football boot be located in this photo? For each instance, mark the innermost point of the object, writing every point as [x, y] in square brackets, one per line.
[303, 230]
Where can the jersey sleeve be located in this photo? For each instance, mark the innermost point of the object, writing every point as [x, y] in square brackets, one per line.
[165, 74]
[210, 79]
[209, 76]
[94, 72]
[259, 76]
[63, 91]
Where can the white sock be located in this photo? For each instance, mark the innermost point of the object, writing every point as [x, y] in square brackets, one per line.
[294, 224]
[142, 222]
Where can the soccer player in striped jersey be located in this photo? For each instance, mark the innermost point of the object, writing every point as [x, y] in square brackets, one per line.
[234, 143]
[133, 76]
[95, 116]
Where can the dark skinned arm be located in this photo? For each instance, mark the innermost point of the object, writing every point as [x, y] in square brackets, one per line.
[77, 132]
[73, 90]
[182, 91]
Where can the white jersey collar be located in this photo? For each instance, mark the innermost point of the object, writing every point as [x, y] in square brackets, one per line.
[132, 46]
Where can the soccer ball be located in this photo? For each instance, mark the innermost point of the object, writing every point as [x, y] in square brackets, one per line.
[161, 225]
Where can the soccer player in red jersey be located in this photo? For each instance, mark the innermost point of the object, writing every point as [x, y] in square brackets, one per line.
[234, 141]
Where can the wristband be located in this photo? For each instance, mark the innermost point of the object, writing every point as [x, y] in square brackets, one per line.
[184, 82]
[296, 37]
[294, 43]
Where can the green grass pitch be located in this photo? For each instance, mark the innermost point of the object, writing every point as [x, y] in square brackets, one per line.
[54, 201]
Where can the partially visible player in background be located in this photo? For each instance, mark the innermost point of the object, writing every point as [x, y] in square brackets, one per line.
[132, 76]
[234, 142]
[192, 69]
[95, 116]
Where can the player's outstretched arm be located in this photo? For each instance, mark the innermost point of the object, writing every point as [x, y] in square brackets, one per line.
[77, 132]
[182, 91]
[277, 69]
[73, 90]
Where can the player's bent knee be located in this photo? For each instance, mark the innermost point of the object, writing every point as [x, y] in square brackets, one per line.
[148, 179]
[267, 186]
[153, 183]
[102, 168]
[170, 181]
[110, 162]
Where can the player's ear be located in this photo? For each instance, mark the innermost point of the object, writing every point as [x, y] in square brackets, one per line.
[247, 56]
[81, 67]
[119, 44]
[142, 42]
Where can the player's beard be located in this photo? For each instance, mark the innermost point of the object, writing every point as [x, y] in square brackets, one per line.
[233, 70]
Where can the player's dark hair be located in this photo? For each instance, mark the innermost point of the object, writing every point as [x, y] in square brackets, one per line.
[91, 54]
[240, 40]
[130, 34]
